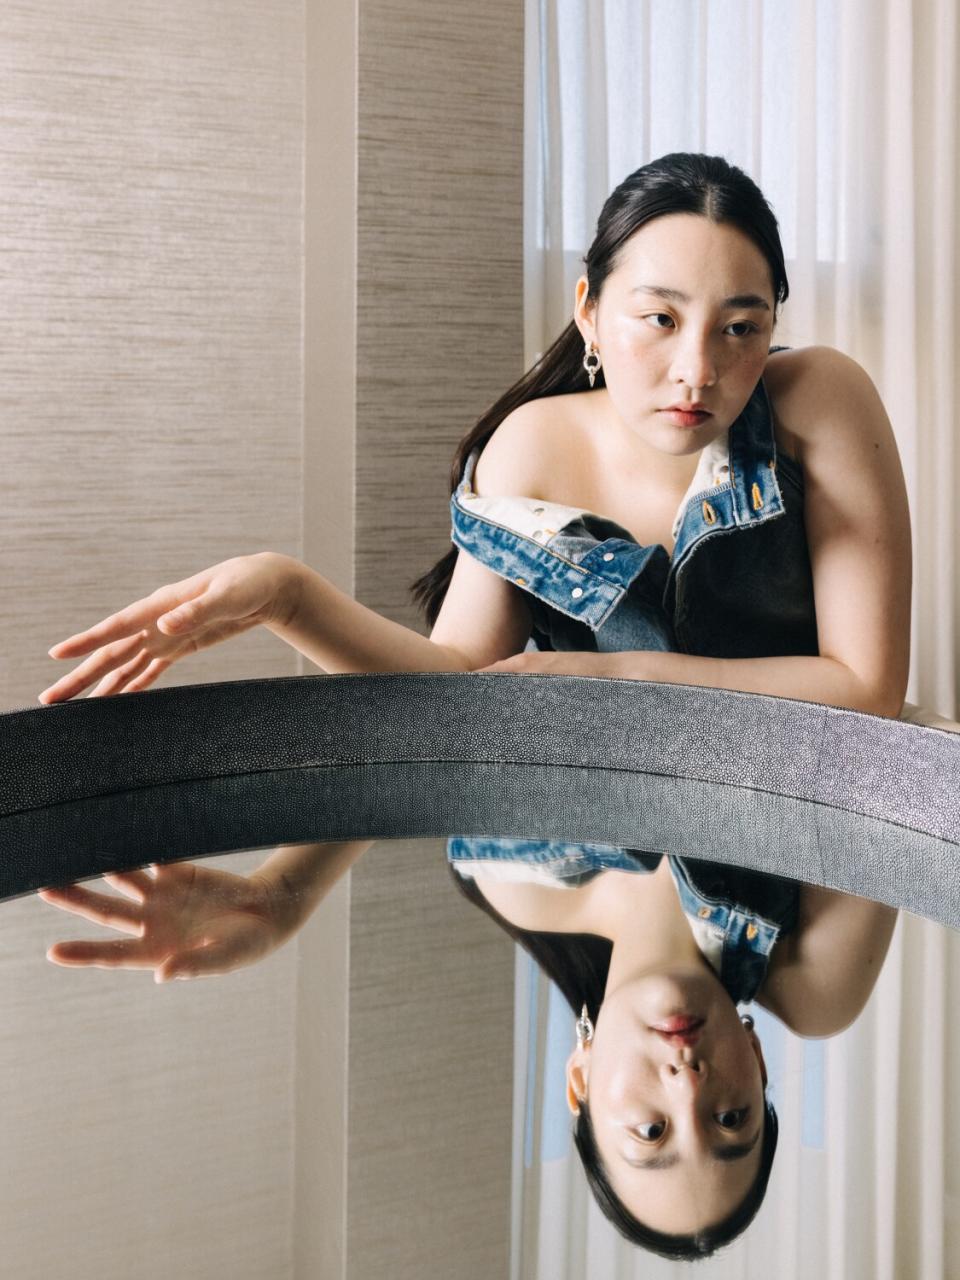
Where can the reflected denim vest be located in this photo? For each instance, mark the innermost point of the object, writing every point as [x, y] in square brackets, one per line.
[735, 915]
[738, 585]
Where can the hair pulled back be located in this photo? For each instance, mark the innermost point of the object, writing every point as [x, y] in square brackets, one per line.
[682, 182]
[579, 964]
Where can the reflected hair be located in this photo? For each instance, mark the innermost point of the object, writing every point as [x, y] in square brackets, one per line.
[688, 1248]
[579, 964]
[682, 182]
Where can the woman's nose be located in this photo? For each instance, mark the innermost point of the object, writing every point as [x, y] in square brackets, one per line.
[687, 1075]
[693, 364]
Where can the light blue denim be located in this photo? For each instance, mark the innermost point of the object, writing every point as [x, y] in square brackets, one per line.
[713, 898]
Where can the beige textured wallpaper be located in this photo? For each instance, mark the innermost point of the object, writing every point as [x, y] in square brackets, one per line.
[151, 213]
[250, 303]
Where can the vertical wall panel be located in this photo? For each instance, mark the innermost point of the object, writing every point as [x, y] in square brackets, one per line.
[439, 337]
[440, 269]
[150, 377]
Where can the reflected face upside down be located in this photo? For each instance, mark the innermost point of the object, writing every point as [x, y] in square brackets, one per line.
[674, 1082]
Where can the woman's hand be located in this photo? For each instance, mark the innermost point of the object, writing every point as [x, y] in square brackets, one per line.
[130, 649]
[571, 664]
[186, 921]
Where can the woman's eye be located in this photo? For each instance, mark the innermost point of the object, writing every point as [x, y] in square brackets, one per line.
[652, 1132]
[731, 1119]
[659, 315]
[744, 325]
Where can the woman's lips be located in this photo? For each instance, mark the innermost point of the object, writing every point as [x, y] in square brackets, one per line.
[680, 1024]
[682, 418]
[677, 1023]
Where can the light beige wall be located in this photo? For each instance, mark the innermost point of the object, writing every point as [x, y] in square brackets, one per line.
[262, 268]
[151, 204]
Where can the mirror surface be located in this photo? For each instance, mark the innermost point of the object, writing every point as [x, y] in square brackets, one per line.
[809, 959]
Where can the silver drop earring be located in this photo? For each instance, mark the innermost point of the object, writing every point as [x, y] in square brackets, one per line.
[592, 369]
[584, 1028]
[747, 1021]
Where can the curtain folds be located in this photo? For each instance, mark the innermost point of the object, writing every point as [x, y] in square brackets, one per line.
[845, 113]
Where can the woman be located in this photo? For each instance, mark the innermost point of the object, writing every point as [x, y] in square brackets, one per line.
[662, 497]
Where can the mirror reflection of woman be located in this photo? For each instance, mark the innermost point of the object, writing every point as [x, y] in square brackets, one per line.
[667, 1081]
[662, 496]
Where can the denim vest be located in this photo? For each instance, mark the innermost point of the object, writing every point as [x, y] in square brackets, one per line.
[735, 915]
[738, 585]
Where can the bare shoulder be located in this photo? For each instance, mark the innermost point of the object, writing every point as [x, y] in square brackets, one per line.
[813, 387]
[526, 446]
[539, 907]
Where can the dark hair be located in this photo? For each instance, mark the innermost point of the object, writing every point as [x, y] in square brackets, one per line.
[682, 182]
[579, 964]
[680, 1247]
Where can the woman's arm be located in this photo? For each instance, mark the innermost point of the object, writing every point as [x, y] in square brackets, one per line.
[822, 974]
[482, 619]
[858, 531]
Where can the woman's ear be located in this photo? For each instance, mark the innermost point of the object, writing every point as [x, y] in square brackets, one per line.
[584, 312]
[578, 1071]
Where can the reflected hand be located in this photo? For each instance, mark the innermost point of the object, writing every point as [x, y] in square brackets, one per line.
[130, 649]
[187, 921]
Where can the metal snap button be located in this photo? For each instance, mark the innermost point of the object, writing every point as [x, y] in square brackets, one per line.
[704, 913]
[608, 555]
[752, 931]
[577, 592]
[709, 514]
[757, 499]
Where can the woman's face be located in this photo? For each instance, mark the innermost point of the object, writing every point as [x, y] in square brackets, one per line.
[678, 1118]
[685, 317]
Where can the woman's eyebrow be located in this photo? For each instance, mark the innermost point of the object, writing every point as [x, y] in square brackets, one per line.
[737, 1151]
[674, 295]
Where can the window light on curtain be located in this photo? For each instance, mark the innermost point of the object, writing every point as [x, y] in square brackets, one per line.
[844, 112]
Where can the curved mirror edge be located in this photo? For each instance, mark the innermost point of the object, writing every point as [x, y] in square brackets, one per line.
[780, 835]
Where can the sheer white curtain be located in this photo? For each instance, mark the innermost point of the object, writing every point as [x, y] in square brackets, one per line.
[845, 113]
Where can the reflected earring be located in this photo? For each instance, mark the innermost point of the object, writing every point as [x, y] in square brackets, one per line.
[592, 369]
[747, 1021]
[584, 1028]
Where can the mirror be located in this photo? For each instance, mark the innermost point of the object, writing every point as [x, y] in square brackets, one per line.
[513, 812]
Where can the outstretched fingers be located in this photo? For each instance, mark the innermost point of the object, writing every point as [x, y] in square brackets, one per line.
[135, 884]
[96, 667]
[122, 678]
[127, 953]
[134, 618]
[102, 908]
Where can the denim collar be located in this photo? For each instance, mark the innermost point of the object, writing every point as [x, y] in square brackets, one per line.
[547, 549]
[749, 494]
